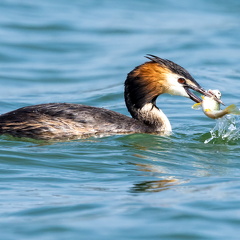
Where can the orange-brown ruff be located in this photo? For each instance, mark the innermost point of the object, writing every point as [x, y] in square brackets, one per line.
[62, 121]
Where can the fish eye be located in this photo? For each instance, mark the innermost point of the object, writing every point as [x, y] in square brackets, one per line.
[182, 80]
[218, 94]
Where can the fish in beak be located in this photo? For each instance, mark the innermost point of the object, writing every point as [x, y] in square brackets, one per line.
[199, 89]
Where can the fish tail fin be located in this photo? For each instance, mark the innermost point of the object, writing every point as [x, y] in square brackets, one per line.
[232, 109]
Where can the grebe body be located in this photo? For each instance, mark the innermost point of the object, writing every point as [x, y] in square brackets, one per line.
[67, 121]
[59, 121]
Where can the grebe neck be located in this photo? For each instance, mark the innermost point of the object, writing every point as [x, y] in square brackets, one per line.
[154, 117]
[140, 97]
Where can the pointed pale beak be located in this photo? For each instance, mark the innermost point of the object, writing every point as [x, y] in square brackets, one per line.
[195, 98]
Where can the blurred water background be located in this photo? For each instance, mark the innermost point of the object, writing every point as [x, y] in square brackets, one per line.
[185, 186]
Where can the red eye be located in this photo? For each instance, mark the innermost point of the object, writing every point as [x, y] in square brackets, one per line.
[181, 80]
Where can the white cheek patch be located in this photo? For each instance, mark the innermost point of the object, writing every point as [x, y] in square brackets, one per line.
[174, 87]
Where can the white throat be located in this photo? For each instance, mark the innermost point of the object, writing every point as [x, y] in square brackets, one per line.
[156, 117]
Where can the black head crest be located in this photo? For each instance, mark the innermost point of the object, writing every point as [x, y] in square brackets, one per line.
[156, 59]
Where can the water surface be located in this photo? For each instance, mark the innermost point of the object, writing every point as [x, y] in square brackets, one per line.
[119, 187]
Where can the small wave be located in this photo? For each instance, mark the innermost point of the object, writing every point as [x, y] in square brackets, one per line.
[226, 129]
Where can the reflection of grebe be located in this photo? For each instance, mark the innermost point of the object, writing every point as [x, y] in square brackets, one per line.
[142, 87]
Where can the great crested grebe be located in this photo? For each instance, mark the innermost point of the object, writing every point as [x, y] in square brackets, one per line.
[60, 121]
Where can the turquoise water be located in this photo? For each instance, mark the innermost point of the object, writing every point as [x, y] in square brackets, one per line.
[185, 186]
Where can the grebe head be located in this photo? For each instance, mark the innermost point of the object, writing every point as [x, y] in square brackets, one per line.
[147, 81]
